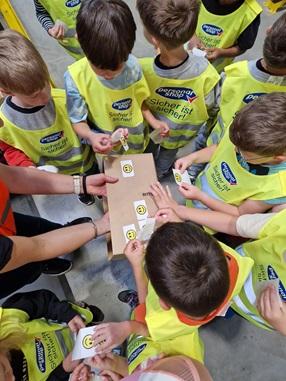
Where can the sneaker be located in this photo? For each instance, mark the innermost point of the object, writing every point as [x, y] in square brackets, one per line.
[56, 267]
[78, 221]
[130, 297]
[98, 315]
[86, 199]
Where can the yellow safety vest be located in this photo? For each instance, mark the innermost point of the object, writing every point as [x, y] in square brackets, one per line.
[239, 88]
[223, 31]
[226, 180]
[269, 255]
[66, 11]
[140, 348]
[179, 102]
[56, 145]
[46, 344]
[109, 109]
[165, 325]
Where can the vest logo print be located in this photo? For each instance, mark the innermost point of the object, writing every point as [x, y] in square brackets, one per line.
[273, 275]
[251, 97]
[136, 353]
[227, 173]
[40, 354]
[213, 30]
[122, 105]
[52, 137]
[177, 93]
[72, 3]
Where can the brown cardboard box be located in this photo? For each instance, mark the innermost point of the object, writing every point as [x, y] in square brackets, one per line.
[136, 173]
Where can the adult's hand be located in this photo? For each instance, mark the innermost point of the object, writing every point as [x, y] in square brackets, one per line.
[96, 184]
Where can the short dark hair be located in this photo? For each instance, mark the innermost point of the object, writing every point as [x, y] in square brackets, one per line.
[187, 268]
[274, 48]
[260, 126]
[171, 21]
[106, 31]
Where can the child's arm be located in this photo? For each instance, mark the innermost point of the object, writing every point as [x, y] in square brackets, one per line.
[192, 192]
[14, 156]
[153, 122]
[215, 53]
[134, 252]
[198, 157]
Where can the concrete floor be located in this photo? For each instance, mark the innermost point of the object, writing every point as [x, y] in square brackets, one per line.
[235, 350]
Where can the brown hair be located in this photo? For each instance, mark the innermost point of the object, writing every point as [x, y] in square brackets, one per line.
[106, 32]
[173, 22]
[22, 69]
[260, 126]
[187, 268]
[274, 48]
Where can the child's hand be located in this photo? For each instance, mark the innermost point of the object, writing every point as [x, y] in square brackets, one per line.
[115, 137]
[167, 215]
[163, 197]
[195, 42]
[134, 252]
[69, 365]
[106, 361]
[100, 143]
[76, 324]
[163, 127]
[109, 335]
[213, 53]
[183, 163]
[81, 373]
[57, 31]
[190, 192]
[108, 375]
[269, 306]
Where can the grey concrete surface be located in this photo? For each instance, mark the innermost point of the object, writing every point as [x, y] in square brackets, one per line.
[235, 350]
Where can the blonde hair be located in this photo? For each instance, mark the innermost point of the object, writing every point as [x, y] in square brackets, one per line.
[22, 69]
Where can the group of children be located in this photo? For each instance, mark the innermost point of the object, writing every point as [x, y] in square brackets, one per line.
[237, 162]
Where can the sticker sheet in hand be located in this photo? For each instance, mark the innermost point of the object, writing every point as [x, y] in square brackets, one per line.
[117, 137]
[83, 347]
[260, 286]
[181, 177]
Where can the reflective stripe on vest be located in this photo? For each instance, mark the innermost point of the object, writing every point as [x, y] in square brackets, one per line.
[7, 223]
[66, 11]
[56, 145]
[239, 88]
[111, 109]
[233, 184]
[179, 102]
[269, 255]
[223, 31]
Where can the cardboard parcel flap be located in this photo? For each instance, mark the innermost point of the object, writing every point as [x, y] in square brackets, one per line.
[129, 200]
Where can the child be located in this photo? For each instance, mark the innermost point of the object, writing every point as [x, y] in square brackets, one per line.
[36, 336]
[58, 18]
[267, 250]
[246, 172]
[34, 116]
[244, 81]
[106, 90]
[226, 29]
[181, 84]
[192, 279]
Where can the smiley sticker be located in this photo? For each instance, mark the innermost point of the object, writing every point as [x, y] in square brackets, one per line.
[141, 210]
[127, 168]
[129, 232]
[87, 342]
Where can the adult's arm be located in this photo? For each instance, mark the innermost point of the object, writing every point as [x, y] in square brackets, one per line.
[32, 181]
[52, 244]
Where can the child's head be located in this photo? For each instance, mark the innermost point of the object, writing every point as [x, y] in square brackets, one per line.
[170, 22]
[187, 268]
[173, 368]
[106, 32]
[258, 130]
[274, 48]
[23, 72]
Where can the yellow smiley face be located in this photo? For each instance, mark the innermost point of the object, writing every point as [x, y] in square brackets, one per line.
[131, 234]
[178, 177]
[127, 168]
[87, 342]
[141, 209]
